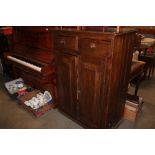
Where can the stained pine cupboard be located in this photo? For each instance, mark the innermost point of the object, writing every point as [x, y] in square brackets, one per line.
[92, 72]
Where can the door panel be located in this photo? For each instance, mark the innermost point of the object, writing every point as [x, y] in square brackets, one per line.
[66, 83]
[89, 106]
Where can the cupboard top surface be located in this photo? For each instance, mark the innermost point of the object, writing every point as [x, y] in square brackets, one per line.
[110, 33]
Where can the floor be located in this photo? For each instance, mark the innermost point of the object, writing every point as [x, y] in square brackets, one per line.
[146, 118]
[13, 116]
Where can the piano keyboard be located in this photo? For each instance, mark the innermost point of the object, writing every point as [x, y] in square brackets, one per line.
[29, 65]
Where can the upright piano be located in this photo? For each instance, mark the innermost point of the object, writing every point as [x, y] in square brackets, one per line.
[32, 57]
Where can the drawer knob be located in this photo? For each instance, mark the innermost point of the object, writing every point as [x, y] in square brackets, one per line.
[78, 91]
[62, 41]
[92, 45]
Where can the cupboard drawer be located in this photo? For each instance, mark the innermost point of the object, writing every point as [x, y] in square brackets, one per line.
[94, 47]
[66, 42]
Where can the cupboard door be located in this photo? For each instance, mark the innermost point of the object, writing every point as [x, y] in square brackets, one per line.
[66, 83]
[89, 106]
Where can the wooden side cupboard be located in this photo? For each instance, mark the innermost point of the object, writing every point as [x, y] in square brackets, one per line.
[92, 71]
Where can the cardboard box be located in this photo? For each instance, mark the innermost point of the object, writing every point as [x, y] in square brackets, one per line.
[37, 112]
[130, 113]
[132, 109]
[13, 88]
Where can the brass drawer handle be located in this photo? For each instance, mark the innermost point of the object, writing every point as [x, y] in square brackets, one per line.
[92, 45]
[78, 91]
[62, 41]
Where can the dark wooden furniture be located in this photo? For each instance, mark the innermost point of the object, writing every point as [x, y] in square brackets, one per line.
[34, 47]
[93, 71]
[150, 63]
[137, 73]
[145, 46]
[147, 54]
[146, 29]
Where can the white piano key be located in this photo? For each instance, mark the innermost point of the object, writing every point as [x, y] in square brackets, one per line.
[34, 67]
